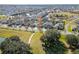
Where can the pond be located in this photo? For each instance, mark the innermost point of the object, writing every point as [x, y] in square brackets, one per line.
[1, 39]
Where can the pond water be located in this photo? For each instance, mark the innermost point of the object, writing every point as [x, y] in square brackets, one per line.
[1, 40]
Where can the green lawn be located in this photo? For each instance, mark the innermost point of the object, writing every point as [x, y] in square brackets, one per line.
[63, 37]
[24, 35]
[69, 28]
[2, 17]
[36, 44]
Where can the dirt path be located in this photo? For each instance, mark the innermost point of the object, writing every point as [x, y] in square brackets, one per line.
[67, 45]
[30, 38]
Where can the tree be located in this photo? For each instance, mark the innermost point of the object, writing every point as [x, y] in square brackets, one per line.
[51, 43]
[76, 51]
[73, 41]
[61, 26]
[14, 45]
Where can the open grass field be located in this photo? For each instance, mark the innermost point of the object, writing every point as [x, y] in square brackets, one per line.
[67, 21]
[3, 17]
[24, 35]
[63, 37]
[69, 28]
[66, 13]
[36, 44]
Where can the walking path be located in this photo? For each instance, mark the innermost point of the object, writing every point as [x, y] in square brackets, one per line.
[67, 45]
[30, 38]
[67, 32]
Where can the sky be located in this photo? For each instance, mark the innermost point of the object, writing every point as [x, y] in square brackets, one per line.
[39, 2]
